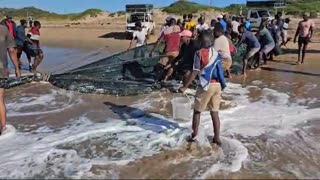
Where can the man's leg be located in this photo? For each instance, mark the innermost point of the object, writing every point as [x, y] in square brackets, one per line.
[260, 59]
[216, 127]
[169, 68]
[186, 76]
[201, 101]
[214, 106]
[195, 123]
[25, 50]
[38, 60]
[3, 115]
[304, 49]
[244, 66]
[299, 50]
[228, 71]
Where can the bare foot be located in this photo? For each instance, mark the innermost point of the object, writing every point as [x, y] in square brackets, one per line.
[191, 139]
[217, 141]
[2, 130]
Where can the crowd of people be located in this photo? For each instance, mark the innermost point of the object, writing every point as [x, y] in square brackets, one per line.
[28, 43]
[14, 41]
[197, 50]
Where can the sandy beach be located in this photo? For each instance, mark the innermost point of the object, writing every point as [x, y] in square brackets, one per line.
[270, 121]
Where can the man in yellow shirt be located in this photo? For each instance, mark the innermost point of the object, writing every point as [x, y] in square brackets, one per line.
[190, 24]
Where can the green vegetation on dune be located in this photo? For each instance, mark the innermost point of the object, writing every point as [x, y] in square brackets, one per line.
[40, 14]
[299, 6]
[294, 7]
[184, 7]
[180, 7]
[89, 12]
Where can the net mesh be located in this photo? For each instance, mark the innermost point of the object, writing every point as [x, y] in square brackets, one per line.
[123, 74]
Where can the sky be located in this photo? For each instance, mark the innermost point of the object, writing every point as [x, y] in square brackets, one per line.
[75, 6]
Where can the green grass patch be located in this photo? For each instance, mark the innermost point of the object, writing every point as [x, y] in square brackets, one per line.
[185, 7]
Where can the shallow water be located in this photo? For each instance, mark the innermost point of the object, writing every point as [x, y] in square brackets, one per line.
[270, 129]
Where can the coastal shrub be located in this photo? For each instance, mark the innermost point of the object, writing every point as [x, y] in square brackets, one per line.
[185, 7]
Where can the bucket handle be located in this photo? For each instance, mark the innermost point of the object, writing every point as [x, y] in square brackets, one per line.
[187, 96]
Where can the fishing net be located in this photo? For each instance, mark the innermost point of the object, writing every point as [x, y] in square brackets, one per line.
[126, 73]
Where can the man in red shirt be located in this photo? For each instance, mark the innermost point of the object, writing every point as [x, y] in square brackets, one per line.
[171, 38]
[11, 25]
[33, 37]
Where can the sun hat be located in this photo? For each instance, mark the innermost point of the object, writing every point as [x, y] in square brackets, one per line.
[185, 33]
[220, 16]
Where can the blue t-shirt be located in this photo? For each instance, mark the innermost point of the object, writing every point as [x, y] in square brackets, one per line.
[20, 35]
[223, 24]
[248, 25]
[250, 39]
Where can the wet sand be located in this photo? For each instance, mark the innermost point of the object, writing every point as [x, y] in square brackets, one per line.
[270, 155]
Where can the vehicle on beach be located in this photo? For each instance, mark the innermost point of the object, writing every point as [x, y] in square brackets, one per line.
[256, 16]
[142, 13]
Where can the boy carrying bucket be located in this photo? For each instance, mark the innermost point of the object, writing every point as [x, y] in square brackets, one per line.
[207, 65]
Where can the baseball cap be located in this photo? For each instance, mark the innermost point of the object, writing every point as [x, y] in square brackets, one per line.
[220, 16]
[306, 14]
[168, 18]
[185, 33]
[8, 16]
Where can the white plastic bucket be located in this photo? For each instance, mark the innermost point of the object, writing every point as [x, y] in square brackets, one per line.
[181, 108]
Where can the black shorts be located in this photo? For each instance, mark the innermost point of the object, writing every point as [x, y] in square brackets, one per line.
[303, 40]
[35, 52]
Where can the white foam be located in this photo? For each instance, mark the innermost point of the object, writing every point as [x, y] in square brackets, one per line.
[234, 154]
[273, 113]
[9, 132]
[30, 104]
[39, 153]
[70, 152]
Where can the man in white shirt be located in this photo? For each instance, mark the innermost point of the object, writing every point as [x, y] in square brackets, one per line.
[202, 26]
[221, 44]
[139, 36]
[235, 25]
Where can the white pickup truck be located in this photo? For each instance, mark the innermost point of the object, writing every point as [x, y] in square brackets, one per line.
[255, 16]
[142, 13]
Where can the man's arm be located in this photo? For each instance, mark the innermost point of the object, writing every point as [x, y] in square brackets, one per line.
[241, 40]
[130, 45]
[155, 47]
[297, 33]
[311, 30]
[191, 78]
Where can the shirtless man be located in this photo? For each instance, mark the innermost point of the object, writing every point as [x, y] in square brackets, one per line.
[304, 31]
